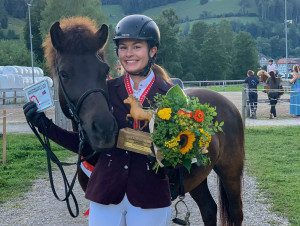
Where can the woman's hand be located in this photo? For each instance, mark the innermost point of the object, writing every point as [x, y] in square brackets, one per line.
[35, 118]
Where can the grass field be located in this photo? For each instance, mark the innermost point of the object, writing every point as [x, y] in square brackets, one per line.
[272, 156]
[188, 8]
[26, 161]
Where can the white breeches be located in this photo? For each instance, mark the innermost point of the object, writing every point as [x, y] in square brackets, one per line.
[125, 214]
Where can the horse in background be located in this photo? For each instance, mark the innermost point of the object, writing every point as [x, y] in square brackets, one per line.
[72, 52]
[263, 76]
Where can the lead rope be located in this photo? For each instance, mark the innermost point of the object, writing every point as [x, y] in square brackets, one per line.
[51, 157]
[181, 197]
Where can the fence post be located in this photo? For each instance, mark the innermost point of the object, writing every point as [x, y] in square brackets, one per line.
[4, 138]
[3, 96]
[15, 97]
[244, 105]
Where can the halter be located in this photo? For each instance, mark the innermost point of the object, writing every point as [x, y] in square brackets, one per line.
[74, 110]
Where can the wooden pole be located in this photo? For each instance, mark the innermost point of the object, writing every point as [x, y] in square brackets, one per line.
[4, 138]
[244, 105]
[3, 96]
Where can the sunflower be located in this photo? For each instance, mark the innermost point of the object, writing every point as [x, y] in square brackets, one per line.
[186, 142]
[164, 113]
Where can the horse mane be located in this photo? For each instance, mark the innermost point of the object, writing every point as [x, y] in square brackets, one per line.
[263, 75]
[79, 38]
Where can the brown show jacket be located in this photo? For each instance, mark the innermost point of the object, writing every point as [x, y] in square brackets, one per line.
[117, 171]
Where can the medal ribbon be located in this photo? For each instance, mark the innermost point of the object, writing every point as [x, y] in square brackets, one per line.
[136, 123]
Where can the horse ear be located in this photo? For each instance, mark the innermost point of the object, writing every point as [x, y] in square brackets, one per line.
[57, 36]
[102, 35]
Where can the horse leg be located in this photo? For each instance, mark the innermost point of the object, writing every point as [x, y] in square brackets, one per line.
[206, 203]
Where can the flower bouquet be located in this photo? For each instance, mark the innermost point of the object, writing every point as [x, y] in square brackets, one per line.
[183, 129]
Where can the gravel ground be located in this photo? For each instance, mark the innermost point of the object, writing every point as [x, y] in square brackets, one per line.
[39, 207]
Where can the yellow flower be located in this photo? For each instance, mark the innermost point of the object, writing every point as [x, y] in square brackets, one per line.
[204, 140]
[164, 113]
[172, 143]
[187, 139]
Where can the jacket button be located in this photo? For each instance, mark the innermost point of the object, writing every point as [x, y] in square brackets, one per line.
[125, 167]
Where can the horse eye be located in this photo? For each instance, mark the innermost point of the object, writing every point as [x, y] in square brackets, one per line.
[63, 74]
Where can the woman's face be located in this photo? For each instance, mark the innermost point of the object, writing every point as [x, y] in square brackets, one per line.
[134, 54]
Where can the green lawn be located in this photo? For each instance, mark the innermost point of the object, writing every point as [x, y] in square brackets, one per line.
[190, 8]
[193, 8]
[26, 161]
[273, 157]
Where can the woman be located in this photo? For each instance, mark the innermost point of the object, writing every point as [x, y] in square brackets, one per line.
[295, 92]
[123, 189]
[273, 82]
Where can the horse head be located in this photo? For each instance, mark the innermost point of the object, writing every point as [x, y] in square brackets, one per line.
[263, 75]
[73, 51]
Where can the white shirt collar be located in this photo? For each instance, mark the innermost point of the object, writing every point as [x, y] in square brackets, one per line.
[142, 85]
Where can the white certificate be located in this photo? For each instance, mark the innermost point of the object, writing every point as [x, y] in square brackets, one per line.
[40, 94]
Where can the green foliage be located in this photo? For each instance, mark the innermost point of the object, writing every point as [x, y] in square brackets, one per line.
[15, 8]
[26, 161]
[272, 156]
[214, 60]
[245, 55]
[169, 54]
[35, 17]
[13, 52]
[57, 9]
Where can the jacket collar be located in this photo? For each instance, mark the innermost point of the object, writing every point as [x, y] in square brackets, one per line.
[159, 86]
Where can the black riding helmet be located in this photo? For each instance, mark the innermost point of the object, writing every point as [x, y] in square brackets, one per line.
[139, 27]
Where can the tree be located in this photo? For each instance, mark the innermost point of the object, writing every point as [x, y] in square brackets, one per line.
[214, 60]
[190, 60]
[13, 53]
[15, 8]
[227, 35]
[57, 9]
[3, 16]
[198, 32]
[169, 49]
[35, 17]
[245, 55]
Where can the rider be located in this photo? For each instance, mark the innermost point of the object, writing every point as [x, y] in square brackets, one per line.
[123, 189]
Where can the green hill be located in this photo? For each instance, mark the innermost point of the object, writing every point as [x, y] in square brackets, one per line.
[192, 10]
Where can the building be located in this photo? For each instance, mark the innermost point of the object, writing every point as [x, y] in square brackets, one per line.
[282, 63]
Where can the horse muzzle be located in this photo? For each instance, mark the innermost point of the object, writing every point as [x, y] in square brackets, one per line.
[101, 132]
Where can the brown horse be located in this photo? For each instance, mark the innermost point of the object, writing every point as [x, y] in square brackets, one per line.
[75, 45]
[263, 76]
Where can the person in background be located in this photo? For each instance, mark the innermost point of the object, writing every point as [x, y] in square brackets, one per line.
[295, 92]
[271, 67]
[252, 82]
[123, 189]
[273, 82]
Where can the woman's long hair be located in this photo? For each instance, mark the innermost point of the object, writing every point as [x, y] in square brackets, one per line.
[160, 71]
[272, 75]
